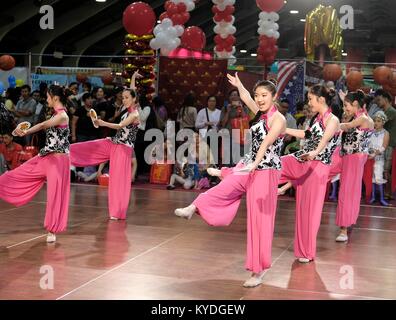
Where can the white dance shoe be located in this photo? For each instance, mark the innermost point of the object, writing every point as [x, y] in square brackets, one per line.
[304, 260]
[186, 212]
[51, 237]
[254, 281]
[342, 237]
[214, 172]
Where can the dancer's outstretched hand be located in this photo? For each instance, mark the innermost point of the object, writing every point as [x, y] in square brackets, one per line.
[234, 80]
[309, 156]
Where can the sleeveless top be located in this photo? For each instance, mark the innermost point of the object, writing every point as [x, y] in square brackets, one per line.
[126, 135]
[317, 129]
[259, 131]
[355, 140]
[56, 139]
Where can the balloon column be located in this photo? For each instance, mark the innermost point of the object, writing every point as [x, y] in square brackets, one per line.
[139, 20]
[268, 30]
[170, 29]
[224, 29]
[142, 58]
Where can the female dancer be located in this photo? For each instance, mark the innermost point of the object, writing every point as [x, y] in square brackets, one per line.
[308, 170]
[118, 150]
[52, 164]
[219, 205]
[353, 152]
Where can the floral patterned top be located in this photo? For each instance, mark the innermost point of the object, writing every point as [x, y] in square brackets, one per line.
[317, 130]
[126, 135]
[355, 140]
[259, 131]
[56, 139]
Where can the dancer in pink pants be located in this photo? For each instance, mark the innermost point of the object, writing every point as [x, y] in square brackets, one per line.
[308, 170]
[52, 164]
[116, 149]
[354, 152]
[256, 175]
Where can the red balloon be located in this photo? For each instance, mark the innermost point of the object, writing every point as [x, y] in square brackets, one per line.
[107, 78]
[382, 75]
[181, 7]
[230, 40]
[180, 18]
[270, 5]
[139, 19]
[163, 16]
[193, 38]
[167, 4]
[354, 80]
[332, 72]
[7, 62]
[229, 10]
[172, 9]
[81, 77]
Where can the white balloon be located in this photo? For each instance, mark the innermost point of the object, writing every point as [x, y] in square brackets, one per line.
[224, 24]
[264, 15]
[179, 30]
[266, 24]
[167, 22]
[154, 44]
[274, 16]
[233, 50]
[221, 6]
[231, 30]
[275, 26]
[232, 60]
[276, 35]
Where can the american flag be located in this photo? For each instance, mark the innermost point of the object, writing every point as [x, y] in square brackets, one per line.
[291, 83]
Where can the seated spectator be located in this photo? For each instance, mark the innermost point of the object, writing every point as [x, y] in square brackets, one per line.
[9, 149]
[183, 174]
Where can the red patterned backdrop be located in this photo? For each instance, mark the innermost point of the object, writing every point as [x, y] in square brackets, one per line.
[178, 77]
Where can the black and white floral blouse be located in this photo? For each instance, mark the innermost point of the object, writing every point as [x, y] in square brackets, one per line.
[126, 135]
[56, 139]
[317, 131]
[355, 140]
[259, 131]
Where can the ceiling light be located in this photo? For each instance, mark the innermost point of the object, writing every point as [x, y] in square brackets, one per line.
[303, 20]
[294, 11]
[100, 0]
[345, 54]
[243, 51]
[254, 54]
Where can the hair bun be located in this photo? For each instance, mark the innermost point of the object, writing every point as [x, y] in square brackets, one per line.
[274, 82]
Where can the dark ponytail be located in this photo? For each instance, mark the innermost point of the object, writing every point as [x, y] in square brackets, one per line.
[320, 91]
[58, 91]
[358, 96]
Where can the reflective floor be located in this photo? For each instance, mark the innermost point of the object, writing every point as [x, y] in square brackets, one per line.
[155, 255]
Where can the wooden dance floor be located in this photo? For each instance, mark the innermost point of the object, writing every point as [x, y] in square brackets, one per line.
[156, 255]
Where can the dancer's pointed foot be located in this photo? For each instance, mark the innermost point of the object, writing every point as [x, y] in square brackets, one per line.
[255, 280]
[304, 260]
[51, 237]
[186, 212]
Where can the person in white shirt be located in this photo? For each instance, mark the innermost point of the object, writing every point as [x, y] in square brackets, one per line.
[209, 117]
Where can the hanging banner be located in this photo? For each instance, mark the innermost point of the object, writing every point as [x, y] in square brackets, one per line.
[61, 79]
